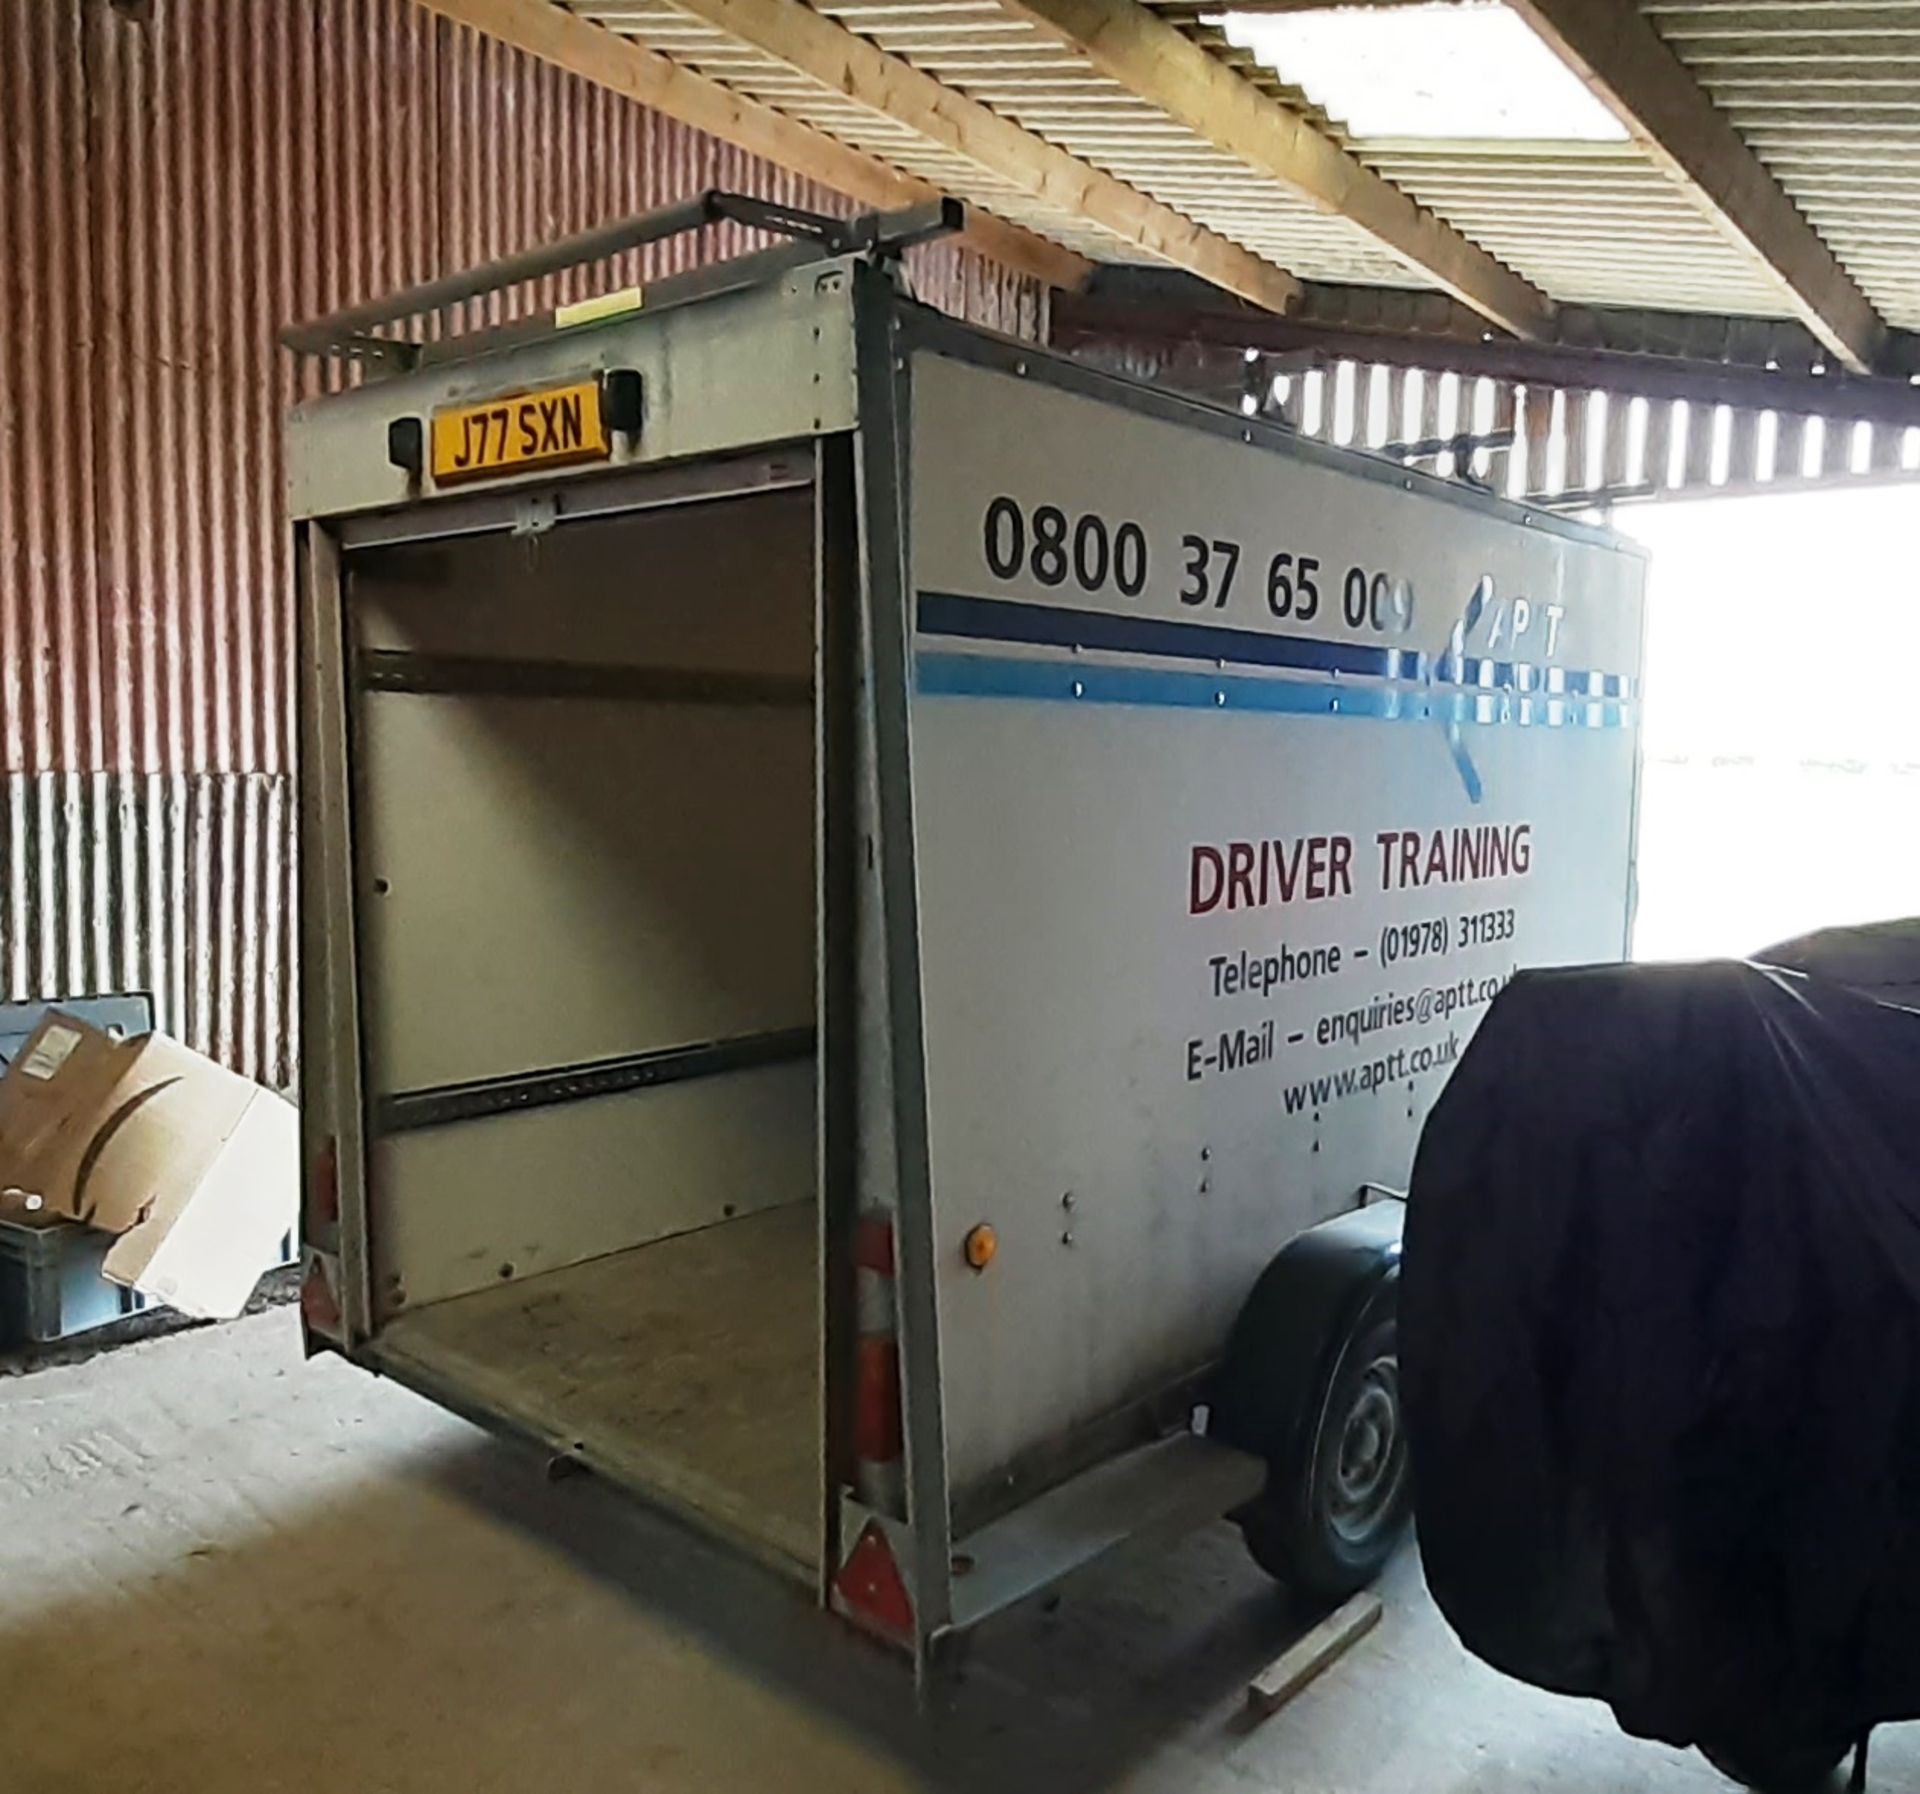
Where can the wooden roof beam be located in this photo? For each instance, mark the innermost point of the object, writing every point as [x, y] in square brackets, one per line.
[1152, 59]
[558, 36]
[812, 44]
[1620, 56]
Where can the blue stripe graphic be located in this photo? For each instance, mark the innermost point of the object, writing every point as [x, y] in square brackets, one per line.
[998, 676]
[1056, 626]
[1053, 626]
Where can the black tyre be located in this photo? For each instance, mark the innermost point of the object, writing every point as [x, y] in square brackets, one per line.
[1327, 1526]
[1776, 1768]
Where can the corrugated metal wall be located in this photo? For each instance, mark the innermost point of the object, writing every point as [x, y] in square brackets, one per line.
[1574, 440]
[1566, 441]
[173, 189]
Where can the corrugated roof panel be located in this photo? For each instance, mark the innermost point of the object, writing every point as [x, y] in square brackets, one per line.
[1050, 90]
[709, 51]
[1592, 224]
[1026, 76]
[1828, 97]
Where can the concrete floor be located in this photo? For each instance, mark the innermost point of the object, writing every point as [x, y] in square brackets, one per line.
[223, 1569]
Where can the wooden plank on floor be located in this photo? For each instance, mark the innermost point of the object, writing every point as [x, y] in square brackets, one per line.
[1310, 1656]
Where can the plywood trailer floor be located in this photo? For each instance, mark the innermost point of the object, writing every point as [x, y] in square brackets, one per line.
[687, 1367]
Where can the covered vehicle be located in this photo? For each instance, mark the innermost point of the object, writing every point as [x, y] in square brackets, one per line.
[1661, 1351]
[1878, 959]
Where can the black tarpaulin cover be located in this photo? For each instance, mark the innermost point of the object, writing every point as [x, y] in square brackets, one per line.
[1660, 1343]
[1881, 959]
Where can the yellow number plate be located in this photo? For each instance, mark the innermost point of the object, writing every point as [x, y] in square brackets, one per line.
[554, 427]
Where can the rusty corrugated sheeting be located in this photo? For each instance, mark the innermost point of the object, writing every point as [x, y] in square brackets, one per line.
[179, 884]
[172, 190]
[49, 664]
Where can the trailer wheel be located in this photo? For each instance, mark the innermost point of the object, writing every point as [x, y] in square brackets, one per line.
[1328, 1523]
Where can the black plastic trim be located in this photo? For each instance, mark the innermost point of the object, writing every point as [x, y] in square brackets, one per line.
[476, 1101]
[385, 669]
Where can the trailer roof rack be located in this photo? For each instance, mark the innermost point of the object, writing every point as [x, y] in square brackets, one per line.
[349, 333]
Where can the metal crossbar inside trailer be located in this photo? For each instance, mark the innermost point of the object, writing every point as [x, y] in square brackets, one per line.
[859, 894]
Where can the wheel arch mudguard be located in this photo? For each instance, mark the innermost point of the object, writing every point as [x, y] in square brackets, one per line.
[1286, 1341]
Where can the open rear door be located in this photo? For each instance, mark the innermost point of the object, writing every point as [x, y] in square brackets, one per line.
[585, 816]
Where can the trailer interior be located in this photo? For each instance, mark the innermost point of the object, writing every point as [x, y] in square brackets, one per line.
[585, 848]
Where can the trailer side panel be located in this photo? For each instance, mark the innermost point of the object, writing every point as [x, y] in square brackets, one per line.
[1243, 778]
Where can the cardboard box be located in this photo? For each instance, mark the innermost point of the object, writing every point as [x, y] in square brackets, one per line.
[124, 1014]
[195, 1168]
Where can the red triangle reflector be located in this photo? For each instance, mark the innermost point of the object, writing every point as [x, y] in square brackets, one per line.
[319, 1307]
[871, 1588]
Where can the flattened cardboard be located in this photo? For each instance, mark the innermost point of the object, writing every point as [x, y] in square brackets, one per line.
[201, 1247]
[194, 1167]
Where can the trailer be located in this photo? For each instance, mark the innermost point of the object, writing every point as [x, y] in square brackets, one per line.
[882, 910]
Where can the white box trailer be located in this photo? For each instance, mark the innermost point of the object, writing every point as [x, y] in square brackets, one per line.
[882, 911]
